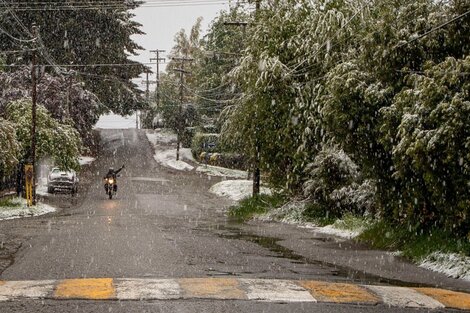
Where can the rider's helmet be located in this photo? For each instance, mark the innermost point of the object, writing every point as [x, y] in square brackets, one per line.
[111, 169]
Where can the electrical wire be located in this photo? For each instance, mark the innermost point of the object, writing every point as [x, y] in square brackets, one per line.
[116, 6]
[434, 29]
[16, 39]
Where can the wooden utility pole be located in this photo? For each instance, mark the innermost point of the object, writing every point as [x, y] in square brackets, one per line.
[33, 115]
[144, 120]
[157, 59]
[179, 126]
[256, 160]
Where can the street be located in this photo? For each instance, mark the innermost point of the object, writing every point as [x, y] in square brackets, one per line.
[164, 224]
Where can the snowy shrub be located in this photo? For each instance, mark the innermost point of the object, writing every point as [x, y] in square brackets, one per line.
[356, 198]
[331, 169]
[9, 146]
[332, 179]
[204, 143]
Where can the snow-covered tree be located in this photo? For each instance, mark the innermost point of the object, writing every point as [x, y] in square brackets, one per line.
[61, 142]
[65, 98]
[427, 128]
[9, 146]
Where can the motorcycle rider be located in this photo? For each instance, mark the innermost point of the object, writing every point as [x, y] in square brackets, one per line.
[113, 174]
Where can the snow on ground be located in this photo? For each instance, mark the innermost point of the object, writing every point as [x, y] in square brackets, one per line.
[114, 121]
[19, 209]
[167, 158]
[236, 189]
[161, 136]
[41, 187]
[221, 171]
[451, 264]
[332, 230]
[292, 213]
[85, 160]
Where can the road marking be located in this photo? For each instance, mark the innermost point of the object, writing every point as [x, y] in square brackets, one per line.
[229, 288]
[451, 299]
[212, 288]
[275, 290]
[147, 289]
[405, 297]
[87, 288]
[27, 289]
[339, 293]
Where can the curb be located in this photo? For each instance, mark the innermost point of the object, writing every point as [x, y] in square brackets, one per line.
[268, 290]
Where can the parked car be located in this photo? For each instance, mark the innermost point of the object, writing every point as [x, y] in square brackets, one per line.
[62, 180]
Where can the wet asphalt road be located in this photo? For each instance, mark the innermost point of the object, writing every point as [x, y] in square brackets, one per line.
[165, 224]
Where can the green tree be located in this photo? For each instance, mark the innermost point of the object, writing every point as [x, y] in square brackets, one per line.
[427, 128]
[10, 147]
[222, 48]
[59, 141]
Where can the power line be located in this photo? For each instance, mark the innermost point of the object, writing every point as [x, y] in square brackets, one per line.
[16, 39]
[28, 6]
[434, 29]
[87, 65]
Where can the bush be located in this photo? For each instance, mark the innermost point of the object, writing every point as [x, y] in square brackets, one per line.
[209, 129]
[204, 143]
[188, 136]
[251, 206]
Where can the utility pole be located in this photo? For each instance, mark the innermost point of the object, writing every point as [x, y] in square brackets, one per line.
[157, 59]
[145, 118]
[33, 115]
[257, 146]
[179, 126]
[256, 161]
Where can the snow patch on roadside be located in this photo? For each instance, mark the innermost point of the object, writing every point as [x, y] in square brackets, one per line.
[236, 189]
[334, 231]
[19, 209]
[451, 264]
[221, 171]
[85, 160]
[292, 213]
[161, 136]
[167, 158]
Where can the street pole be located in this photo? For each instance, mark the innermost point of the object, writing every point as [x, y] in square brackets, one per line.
[33, 116]
[179, 126]
[147, 91]
[157, 59]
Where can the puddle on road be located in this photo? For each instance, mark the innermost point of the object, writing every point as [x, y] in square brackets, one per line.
[230, 231]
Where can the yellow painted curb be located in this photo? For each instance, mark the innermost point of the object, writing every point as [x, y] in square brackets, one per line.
[212, 288]
[451, 299]
[88, 288]
[338, 293]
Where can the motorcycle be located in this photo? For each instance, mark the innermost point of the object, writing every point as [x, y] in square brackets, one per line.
[110, 186]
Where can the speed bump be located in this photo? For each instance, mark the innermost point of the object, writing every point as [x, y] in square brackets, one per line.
[451, 299]
[339, 293]
[87, 288]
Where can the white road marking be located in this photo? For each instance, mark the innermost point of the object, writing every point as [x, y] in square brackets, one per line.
[27, 289]
[275, 290]
[148, 289]
[404, 297]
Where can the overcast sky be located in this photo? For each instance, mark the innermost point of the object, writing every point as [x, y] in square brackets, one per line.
[162, 23]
